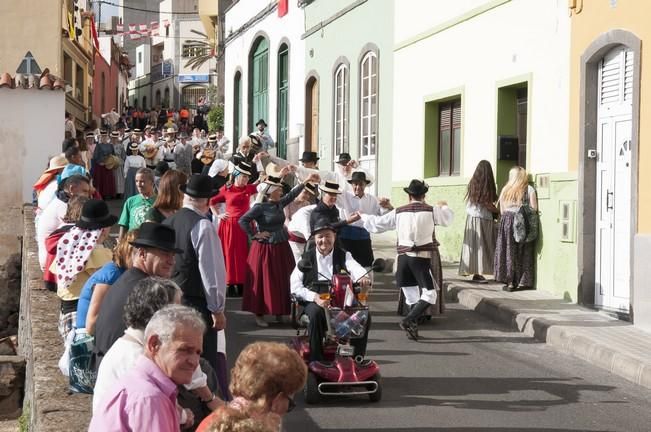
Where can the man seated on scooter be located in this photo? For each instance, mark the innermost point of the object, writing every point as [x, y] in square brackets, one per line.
[326, 259]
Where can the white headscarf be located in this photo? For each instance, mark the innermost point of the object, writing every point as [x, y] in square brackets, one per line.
[217, 166]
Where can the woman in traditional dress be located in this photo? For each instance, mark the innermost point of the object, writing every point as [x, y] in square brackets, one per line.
[103, 179]
[118, 172]
[132, 164]
[478, 249]
[514, 262]
[235, 242]
[270, 260]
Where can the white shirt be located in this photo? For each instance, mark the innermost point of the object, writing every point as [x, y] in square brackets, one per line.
[121, 358]
[367, 204]
[324, 267]
[134, 161]
[48, 222]
[47, 195]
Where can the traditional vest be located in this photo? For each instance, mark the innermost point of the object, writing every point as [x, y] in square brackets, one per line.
[338, 264]
[415, 227]
[186, 266]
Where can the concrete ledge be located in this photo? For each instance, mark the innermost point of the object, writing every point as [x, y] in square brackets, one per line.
[601, 340]
[51, 406]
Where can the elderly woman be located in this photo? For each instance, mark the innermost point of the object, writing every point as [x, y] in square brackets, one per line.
[150, 295]
[264, 380]
[270, 259]
[96, 287]
[235, 243]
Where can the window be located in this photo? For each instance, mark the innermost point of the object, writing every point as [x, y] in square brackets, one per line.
[158, 99]
[341, 110]
[166, 98]
[140, 57]
[259, 84]
[237, 106]
[193, 51]
[368, 106]
[29, 65]
[79, 84]
[450, 138]
[283, 102]
[144, 102]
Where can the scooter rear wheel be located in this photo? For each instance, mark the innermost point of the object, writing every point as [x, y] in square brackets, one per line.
[377, 396]
[311, 390]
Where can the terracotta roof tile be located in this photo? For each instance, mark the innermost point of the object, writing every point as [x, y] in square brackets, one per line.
[27, 81]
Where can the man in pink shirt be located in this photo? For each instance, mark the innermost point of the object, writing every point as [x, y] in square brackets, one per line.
[145, 398]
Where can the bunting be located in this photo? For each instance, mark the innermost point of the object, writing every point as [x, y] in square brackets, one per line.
[137, 30]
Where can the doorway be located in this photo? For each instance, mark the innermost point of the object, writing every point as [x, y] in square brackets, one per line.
[512, 120]
[312, 114]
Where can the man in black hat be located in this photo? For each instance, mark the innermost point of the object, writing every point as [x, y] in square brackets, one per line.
[155, 249]
[264, 139]
[200, 270]
[354, 237]
[415, 225]
[326, 259]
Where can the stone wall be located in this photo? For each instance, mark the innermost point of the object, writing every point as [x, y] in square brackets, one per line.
[51, 406]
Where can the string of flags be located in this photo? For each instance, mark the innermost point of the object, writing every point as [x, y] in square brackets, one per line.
[136, 31]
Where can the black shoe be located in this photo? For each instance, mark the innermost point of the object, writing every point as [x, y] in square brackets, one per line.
[411, 328]
[231, 291]
[509, 288]
[239, 290]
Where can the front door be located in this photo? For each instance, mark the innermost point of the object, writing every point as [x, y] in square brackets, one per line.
[312, 115]
[613, 219]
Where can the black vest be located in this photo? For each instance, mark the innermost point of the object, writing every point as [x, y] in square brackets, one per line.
[338, 264]
[186, 267]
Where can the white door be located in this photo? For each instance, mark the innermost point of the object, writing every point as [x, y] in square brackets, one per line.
[613, 219]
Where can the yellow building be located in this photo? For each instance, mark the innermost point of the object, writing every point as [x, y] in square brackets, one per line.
[211, 13]
[609, 122]
[34, 35]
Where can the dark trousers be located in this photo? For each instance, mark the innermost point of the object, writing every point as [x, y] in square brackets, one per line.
[361, 250]
[318, 327]
[210, 336]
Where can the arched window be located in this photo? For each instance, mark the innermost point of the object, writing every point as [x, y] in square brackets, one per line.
[237, 106]
[283, 100]
[144, 102]
[258, 82]
[341, 81]
[368, 105]
[158, 98]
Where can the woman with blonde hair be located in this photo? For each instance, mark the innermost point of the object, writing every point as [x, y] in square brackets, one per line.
[514, 262]
[96, 287]
[169, 198]
[264, 380]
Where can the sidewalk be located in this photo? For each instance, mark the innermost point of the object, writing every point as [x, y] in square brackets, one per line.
[595, 337]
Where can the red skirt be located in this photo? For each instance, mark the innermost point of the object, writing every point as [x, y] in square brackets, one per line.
[235, 244]
[267, 289]
[104, 181]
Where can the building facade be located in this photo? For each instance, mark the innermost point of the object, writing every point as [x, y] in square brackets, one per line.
[501, 95]
[608, 126]
[212, 17]
[348, 84]
[111, 71]
[265, 73]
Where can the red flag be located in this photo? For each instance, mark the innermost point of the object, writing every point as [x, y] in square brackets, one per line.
[282, 7]
[93, 31]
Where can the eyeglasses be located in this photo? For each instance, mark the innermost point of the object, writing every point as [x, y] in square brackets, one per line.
[291, 404]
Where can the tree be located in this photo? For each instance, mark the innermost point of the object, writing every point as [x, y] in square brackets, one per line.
[216, 118]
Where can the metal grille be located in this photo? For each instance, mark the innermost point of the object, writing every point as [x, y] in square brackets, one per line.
[191, 96]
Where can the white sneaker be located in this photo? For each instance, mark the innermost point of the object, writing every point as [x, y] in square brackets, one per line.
[260, 322]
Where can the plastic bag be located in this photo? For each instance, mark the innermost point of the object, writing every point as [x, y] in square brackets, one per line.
[81, 371]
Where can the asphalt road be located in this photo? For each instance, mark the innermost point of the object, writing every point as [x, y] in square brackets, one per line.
[465, 374]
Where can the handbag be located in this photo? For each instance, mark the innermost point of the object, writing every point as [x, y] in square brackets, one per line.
[82, 374]
[526, 222]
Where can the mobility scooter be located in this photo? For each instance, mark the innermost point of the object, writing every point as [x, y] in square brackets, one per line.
[344, 370]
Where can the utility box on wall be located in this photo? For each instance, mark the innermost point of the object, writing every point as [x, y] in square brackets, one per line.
[507, 148]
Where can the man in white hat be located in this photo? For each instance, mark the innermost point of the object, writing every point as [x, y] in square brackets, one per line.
[168, 149]
[183, 154]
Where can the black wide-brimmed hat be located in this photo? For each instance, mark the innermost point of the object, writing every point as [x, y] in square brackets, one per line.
[309, 156]
[416, 188]
[344, 158]
[161, 168]
[157, 236]
[330, 187]
[95, 215]
[321, 224]
[244, 168]
[359, 176]
[199, 186]
[273, 181]
[261, 121]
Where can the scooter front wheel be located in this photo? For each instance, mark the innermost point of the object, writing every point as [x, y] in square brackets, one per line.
[311, 390]
[377, 395]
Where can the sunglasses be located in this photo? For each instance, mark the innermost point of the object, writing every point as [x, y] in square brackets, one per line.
[291, 403]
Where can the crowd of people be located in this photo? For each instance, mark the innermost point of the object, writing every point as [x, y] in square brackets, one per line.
[144, 322]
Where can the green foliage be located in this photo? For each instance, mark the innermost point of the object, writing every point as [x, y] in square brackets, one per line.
[23, 420]
[215, 118]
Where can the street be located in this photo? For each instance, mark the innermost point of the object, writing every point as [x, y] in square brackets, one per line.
[465, 374]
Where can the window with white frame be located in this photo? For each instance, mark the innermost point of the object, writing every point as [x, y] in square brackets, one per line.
[341, 110]
[368, 105]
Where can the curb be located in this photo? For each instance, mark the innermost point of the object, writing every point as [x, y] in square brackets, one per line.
[564, 338]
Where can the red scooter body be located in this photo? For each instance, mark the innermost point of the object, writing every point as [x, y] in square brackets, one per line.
[339, 373]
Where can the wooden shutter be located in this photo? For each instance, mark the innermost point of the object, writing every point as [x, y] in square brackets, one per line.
[628, 75]
[610, 77]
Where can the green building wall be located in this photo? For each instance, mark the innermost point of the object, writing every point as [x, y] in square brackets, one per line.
[556, 257]
[346, 28]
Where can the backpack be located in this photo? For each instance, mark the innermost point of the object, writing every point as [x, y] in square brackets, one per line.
[525, 222]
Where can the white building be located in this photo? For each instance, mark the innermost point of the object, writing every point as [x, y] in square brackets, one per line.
[265, 72]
